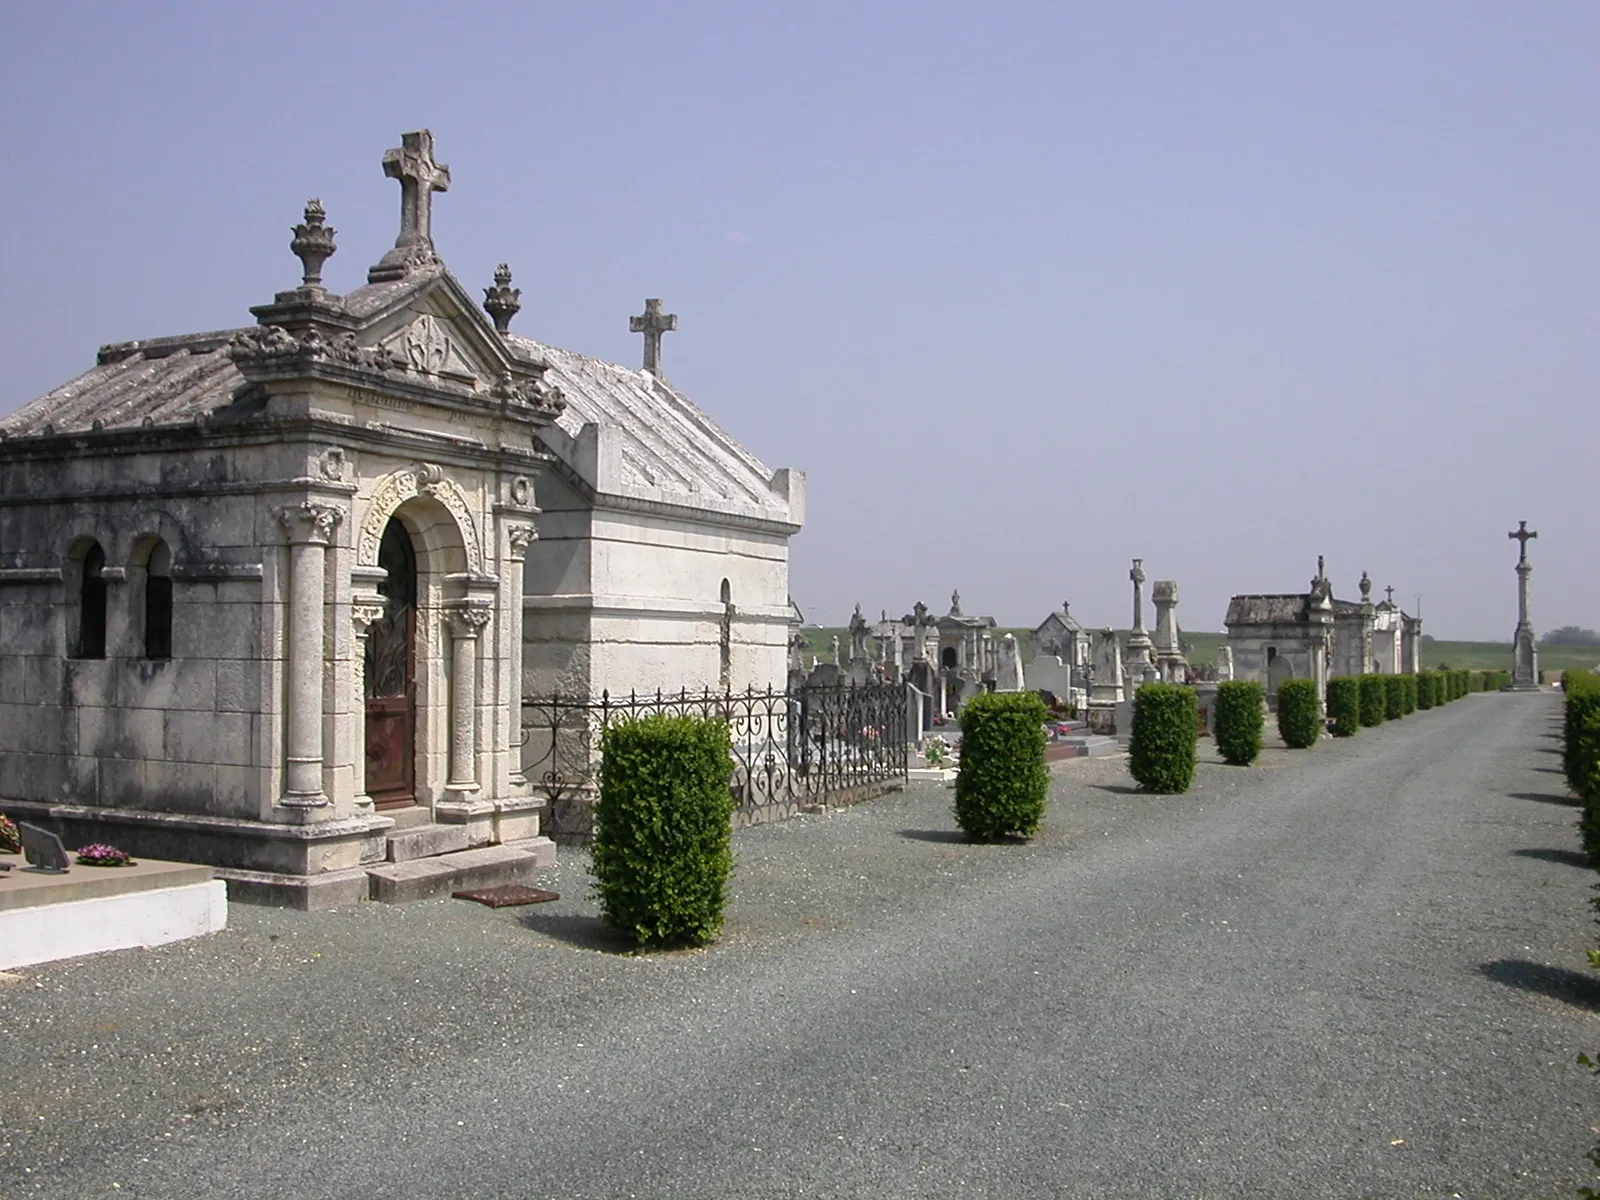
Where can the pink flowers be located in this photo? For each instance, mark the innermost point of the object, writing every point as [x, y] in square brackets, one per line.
[98, 854]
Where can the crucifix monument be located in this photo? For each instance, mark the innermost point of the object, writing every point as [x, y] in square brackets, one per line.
[412, 164]
[1140, 662]
[1525, 648]
[653, 323]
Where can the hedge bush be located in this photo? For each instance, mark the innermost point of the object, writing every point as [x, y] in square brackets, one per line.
[1427, 689]
[1580, 752]
[1236, 721]
[1166, 727]
[1001, 786]
[1408, 686]
[662, 841]
[1394, 697]
[1299, 721]
[1373, 706]
[1344, 705]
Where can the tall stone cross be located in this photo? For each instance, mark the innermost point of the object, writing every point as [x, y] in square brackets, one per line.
[1524, 535]
[420, 176]
[653, 323]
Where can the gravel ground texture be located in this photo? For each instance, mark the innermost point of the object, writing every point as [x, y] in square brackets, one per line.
[1354, 971]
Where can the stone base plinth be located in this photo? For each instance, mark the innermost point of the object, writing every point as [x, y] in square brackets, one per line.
[46, 916]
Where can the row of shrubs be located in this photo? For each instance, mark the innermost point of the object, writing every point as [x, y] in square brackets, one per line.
[663, 856]
[1580, 752]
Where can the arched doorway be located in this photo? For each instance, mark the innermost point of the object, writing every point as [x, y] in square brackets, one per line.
[391, 676]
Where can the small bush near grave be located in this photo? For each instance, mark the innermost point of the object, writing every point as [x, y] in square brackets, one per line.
[1299, 723]
[1373, 704]
[1394, 697]
[1408, 686]
[1002, 783]
[1344, 705]
[1427, 685]
[1166, 728]
[663, 829]
[1237, 722]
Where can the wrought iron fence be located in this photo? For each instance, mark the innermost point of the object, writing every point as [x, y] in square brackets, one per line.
[792, 750]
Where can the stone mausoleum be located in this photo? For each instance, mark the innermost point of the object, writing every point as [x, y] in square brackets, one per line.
[270, 597]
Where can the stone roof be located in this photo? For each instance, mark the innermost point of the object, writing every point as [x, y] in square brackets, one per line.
[668, 448]
[1275, 609]
[162, 381]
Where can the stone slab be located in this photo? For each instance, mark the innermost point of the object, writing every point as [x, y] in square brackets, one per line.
[425, 878]
[426, 841]
[935, 774]
[30, 887]
[306, 893]
[152, 917]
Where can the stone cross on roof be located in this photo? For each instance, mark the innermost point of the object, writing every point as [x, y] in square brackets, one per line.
[1524, 535]
[653, 323]
[1389, 593]
[420, 176]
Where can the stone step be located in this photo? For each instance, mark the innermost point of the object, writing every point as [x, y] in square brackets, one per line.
[408, 818]
[1091, 745]
[488, 866]
[425, 841]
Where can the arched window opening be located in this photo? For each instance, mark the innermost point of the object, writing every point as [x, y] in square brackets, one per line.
[158, 603]
[92, 605]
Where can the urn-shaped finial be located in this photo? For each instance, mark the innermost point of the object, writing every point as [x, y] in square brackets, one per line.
[313, 243]
[1366, 587]
[502, 301]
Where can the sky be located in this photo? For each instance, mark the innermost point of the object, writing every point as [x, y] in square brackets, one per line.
[1027, 290]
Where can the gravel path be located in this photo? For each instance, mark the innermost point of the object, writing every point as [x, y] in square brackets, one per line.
[1353, 972]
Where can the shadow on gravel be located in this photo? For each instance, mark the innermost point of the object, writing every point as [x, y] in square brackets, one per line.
[587, 933]
[1550, 770]
[1571, 858]
[935, 835]
[1570, 987]
[1121, 789]
[1546, 798]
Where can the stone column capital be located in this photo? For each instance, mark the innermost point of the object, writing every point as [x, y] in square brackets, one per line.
[519, 536]
[309, 523]
[365, 611]
[466, 620]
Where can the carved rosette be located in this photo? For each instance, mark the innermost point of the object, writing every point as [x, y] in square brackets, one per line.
[309, 523]
[466, 620]
[521, 491]
[519, 537]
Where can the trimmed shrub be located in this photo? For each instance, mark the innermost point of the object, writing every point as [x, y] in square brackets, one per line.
[663, 824]
[1394, 697]
[1001, 786]
[1299, 721]
[1236, 721]
[1166, 727]
[1372, 700]
[1580, 752]
[1344, 705]
[1408, 686]
[1427, 689]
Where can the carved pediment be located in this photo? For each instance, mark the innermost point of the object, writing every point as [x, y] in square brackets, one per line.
[430, 346]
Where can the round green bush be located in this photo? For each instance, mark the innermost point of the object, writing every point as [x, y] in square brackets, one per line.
[1299, 721]
[1394, 697]
[1002, 783]
[662, 851]
[1344, 705]
[1237, 721]
[1166, 728]
[1373, 704]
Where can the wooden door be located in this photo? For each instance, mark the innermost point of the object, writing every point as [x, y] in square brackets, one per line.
[391, 689]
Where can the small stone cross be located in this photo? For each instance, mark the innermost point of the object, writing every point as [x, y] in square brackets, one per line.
[1389, 592]
[413, 165]
[653, 323]
[1523, 534]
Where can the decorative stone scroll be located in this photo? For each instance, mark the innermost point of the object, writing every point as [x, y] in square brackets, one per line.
[420, 479]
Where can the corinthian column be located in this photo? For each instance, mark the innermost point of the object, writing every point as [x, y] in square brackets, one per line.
[309, 528]
[466, 622]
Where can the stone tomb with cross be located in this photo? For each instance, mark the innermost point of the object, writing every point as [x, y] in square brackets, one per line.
[271, 597]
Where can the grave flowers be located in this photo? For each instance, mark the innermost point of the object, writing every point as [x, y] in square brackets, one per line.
[98, 854]
[936, 752]
[10, 839]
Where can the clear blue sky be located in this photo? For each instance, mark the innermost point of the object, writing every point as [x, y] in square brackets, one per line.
[1026, 289]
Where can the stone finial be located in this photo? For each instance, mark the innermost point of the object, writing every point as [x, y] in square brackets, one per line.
[653, 323]
[502, 301]
[313, 243]
[412, 163]
[955, 604]
[1366, 587]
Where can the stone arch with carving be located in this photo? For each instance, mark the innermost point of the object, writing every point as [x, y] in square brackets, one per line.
[420, 479]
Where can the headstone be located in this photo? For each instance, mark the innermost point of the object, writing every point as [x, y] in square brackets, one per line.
[1107, 685]
[1046, 672]
[919, 714]
[1224, 662]
[42, 848]
[1168, 646]
[1008, 675]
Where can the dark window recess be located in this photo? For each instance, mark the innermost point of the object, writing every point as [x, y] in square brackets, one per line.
[92, 606]
[158, 617]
